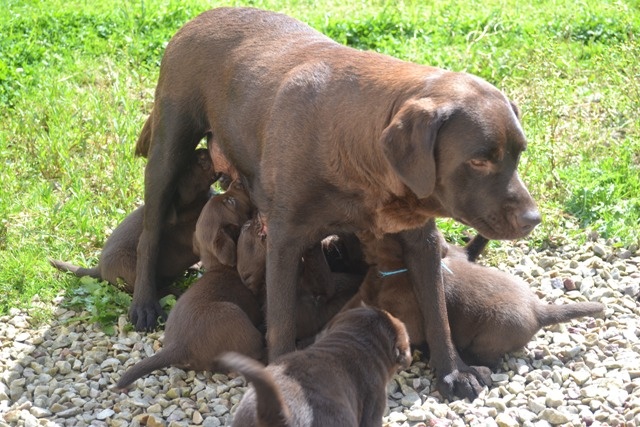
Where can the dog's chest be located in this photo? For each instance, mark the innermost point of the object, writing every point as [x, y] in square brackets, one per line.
[399, 214]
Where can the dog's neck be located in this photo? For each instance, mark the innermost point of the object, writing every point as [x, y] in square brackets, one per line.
[405, 212]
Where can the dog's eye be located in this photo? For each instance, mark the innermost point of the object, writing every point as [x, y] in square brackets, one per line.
[481, 165]
[230, 201]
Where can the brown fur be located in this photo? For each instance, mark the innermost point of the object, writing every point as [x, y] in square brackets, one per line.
[218, 312]
[218, 227]
[490, 312]
[321, 294]
[118, 258]
[335, 140]
[344, 254]
[338, 381]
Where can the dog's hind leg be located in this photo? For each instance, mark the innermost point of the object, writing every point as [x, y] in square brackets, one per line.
[174, 136]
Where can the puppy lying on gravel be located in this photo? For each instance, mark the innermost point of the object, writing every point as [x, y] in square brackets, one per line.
[340, 380]
[118, 258]
[218, 312]
[321, 293]
[490, 312]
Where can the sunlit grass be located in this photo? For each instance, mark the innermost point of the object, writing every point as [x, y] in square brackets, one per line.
[77, 81]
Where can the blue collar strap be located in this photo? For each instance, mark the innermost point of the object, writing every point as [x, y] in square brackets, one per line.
[404, 270]
[391, 273]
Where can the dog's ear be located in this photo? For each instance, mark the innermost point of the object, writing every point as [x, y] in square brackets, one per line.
[403, 355]
[224, 248]
[408, 143]
[172, 215]
[515, 108]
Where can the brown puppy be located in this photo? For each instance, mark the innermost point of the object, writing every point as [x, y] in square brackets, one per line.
[332, 140]
[118, 257]
[218, 227]
[338, 381]
[490, 312]
[315, 305]
[344, 254]
[218, 312]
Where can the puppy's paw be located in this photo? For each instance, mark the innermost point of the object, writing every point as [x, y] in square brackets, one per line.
[465, 383]
[144, 316]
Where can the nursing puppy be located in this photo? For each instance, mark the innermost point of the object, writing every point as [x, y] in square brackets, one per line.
[490, 312]
[334, 140]
[217, 313]
[118, 258]
[338, 381]
[218, 227]
[321, 294]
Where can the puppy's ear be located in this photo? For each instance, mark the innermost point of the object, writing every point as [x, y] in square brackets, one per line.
[172, 215]
[224, 248]
[408, 143]
[515, 108]
[403, 356]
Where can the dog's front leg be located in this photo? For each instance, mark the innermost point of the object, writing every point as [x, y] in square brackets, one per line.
[422, 256]
[284, 267]
[175, 138]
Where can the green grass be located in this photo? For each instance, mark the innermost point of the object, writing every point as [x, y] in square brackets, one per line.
[77, 81]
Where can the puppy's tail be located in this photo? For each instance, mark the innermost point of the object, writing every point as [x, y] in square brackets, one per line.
[78, 271]
[271, 410]
[144, 139]
[550, 314]
[475, 247]
[160, 360]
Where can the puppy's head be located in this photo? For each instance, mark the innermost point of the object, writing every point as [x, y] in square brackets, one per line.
[219, 225]
[386, 330]
[195, 182]
[460, 146]
[252, 255]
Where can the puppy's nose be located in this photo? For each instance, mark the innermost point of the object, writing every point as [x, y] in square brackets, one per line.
[528, 220]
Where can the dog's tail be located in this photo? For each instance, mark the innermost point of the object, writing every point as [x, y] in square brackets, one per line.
[77, 270]
[475, 247]
[160, 360]
[144, 139]
[271, 410]
[550, 314]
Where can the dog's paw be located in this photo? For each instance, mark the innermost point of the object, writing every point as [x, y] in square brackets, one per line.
[465, 384]
[144, 317]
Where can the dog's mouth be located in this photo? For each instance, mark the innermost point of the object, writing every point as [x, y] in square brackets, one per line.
[494, 229]
[486, 228]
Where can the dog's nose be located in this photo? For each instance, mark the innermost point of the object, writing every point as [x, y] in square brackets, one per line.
[529, 219]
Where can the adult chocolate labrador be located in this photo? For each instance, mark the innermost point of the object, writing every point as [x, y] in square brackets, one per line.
[331, 139]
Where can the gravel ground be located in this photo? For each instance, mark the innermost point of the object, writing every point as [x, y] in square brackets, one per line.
[586, 372]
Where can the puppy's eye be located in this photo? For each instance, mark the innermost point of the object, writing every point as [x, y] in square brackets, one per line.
[230, 201]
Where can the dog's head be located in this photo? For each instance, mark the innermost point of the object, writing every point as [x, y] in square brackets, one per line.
[218, 226]
[459, 147]
[195, 182]
[387, 331]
